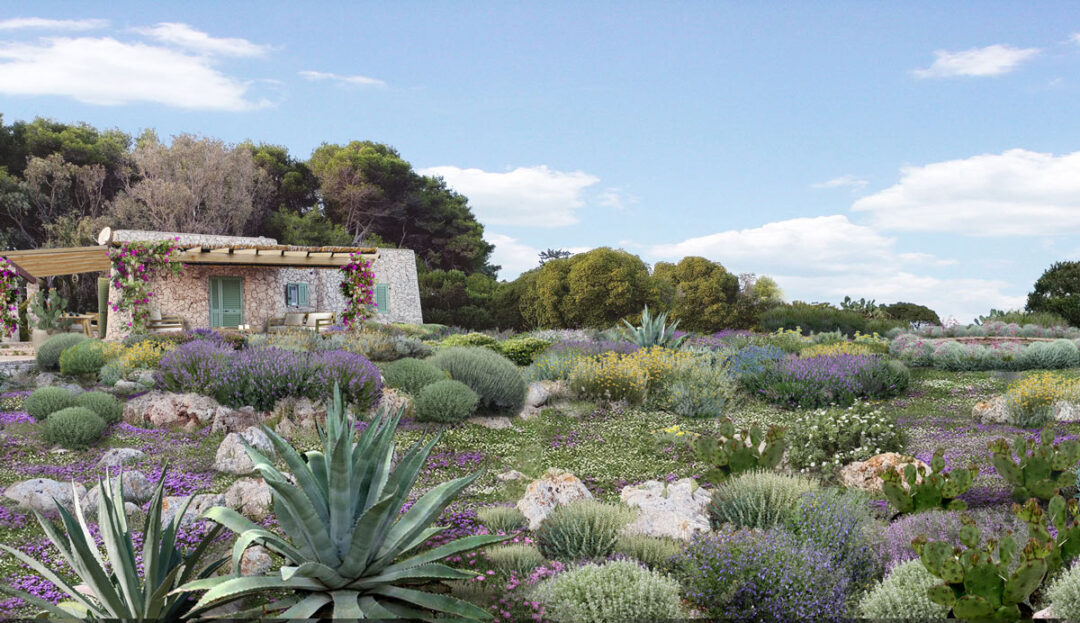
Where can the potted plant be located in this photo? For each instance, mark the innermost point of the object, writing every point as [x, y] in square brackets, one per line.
[49, 313]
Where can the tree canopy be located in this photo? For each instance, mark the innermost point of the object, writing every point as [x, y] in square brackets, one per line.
[1058, 291]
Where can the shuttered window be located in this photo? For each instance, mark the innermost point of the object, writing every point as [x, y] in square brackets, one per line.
[226, 302]
[382, 298]
[296, 295]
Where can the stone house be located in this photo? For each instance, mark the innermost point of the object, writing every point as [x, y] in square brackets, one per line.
[232, 281]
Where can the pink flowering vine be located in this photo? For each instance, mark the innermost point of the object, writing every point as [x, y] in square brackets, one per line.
[135, 265]
[9, 299]
[358, 286]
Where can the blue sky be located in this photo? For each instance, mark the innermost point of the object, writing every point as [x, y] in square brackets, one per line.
[926, 152]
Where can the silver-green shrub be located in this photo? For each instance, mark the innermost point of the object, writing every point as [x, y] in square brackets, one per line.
[582, 530]
[45, 400]
[903, 595]
[614, 592]
[105, 405]
[517, 558]
[412, 375]
[701, 387]
[651, 551]
[505, 519]
[494, 378]
[73, 428]
[446, 401]
[48, 355]
[1064, 595]
[757, 499]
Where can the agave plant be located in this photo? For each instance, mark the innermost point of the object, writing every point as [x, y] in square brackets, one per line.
[348, 548]
[654, 331]
[114, 587]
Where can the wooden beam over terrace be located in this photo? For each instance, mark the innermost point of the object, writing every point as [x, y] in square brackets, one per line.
[54, 262]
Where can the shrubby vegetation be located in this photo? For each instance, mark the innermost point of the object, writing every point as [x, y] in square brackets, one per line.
[45, 400]
[494, 378]
[48, 355]
[73, 428]
[446, 401]
[612, 592]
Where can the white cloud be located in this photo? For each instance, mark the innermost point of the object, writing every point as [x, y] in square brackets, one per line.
[516, 257]
[992, 60]
[844, 181]
[532, 196]
[110, 72]
[616, 199]
[1015, 193]
[17, 23]
[186, 37]
[352, 80]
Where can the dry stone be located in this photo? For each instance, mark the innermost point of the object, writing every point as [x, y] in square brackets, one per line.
[232, 421]
[866, 475]
[201, 503]
[231, 456]
[497, 422]
[1064, 411]
[555, 488]
[255, 560]
[39, 494]
[163, 409]
[250, 497]
[117, 457]
[677, 510]
[993, 411]
[137, 489]
[510, 474]
[537, 396]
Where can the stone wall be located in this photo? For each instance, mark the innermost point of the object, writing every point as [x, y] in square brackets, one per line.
[397, 268]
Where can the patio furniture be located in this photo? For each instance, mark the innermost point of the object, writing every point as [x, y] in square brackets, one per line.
[319, 321]
[86, 323]
[165, 324]
[291, 321]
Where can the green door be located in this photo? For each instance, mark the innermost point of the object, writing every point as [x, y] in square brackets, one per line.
[226, 301]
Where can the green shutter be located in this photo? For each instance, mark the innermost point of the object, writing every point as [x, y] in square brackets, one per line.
[215, 302]
[302, 298]
[382, 298]
[226, 302]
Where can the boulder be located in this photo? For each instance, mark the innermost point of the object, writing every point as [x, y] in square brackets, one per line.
[993, 411]
[39, 494]
[555, 488]
[1065, 411]
[511, 474]
[137, 489]
[163, 409]
[231, 456]
[126, 387]
[538, 395]
[115, 457]
[1045, 613]
[250, 497]
[527, 412]
[145, 378]
[45, 379]
[866, 475]
[201, 503]
[678, 510]
[232, 421]
[493, 422]
[392, 401]
[293, 413]
[255, 560]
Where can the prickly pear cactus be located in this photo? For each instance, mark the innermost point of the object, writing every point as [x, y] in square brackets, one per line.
[731, 453]
[927, 491]
[976, 584]
[1064, 516]
[1038, 470]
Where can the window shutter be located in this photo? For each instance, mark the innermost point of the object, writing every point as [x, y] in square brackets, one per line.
[382, 298]
[289, 295]
[301, 295]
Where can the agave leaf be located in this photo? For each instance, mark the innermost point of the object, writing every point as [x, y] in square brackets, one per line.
[225, 589]
[347, 605]
[313, 488]
[87, 566]
[49, 575]
[116, 538]
[431, 601]
[317, 571]
[306, 607]
[421, 515]
[454, 547]
[361, 549]
[199, 552]
[430, 571]
[313, 529]
[54, 609]
[250, 532]
[387, 609]
[341, 492]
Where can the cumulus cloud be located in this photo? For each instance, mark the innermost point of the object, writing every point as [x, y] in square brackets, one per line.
[531, 196]
[110, 72]
[992, 60]
[844, 181]
[41, 23]
[516, 257]
[616, 199]
[184, 36]
[1015, 193]
[355, 80]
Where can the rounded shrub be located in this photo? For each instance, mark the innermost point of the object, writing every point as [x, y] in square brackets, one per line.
[652, 551]
[903, 594]
[614, 592]
[505, 519]
[46, 400]
[112, 372]
[757, 499]
[517, 558]
[522, 350]
[494, 378]
[582, 530]
[411, 375]
[105, 405]
[1064, 595]
[48, 355]
[446, 401]
[840, 522]
[73, 428]
[469, 339]
[85, 358]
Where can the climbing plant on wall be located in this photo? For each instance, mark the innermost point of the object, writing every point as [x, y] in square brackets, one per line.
[358, 286]
[9, 299]
[135, 266]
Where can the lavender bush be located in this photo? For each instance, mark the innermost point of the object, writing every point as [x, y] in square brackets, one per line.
[895, 546]
[197, 366]
[770, 576]
[752, 360]
[841, 523]
[828, 379]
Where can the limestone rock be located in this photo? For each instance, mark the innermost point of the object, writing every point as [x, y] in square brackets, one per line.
[866, 475]
[232, 421]
[993, 411]
[187, 411]
[555, 488]
[137, 489]
[537, 396]
[527, 412]
[39, 494]
[45, 379]
[231, 456]
[145, 378]
[493, 422]
[677, 510]
[250, 497]
[255, 560]
[1064, 411]
[201, 503]
[510, 474]
[393, 401]
[299, 413]
[1045, 613]
[116, 457]
[125, 387]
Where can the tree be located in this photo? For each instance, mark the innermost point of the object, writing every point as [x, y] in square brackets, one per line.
[311, 228]
[592, 289]
[703, 293]
[1058, 291]
[912, 312]
[553, 254]
[756, 296]
[195, 185]
[456, 299]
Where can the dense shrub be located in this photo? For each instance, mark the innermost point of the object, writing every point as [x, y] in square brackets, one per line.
[505, 519]
[1057, 291]
[357, 377]
[701, 387]
[517, 558]
[105, 405]
[448, 402]
[751, 360]
[614, 592]
[196, 366]
[48, 355]
[1031, 399]
[824, 439]
[895, 545]
[832, 379]
[411, 375]
[1064, 595]
[822, 319]
[468, 339]
[558, 360]
[45, 400]
[903, 594]
[644, 374]
[840, 522]
[653, 552]
[754, 576]
[581, 530]
[85, 358]
[838, 348]
[522, 350]
[757, 499]
[493, 377]
[73, 428]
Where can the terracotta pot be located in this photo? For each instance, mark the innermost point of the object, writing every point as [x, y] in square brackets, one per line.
[38, 337]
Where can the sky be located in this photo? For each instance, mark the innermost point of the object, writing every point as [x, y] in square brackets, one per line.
[918, 151]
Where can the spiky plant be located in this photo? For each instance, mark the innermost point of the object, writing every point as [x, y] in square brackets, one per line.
[348, 548]
[654, 331]
[116, 589]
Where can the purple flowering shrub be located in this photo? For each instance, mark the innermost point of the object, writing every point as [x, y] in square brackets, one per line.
[937, 525]
[841, 523]
[196, 366]
[755, 576]
[808, 382]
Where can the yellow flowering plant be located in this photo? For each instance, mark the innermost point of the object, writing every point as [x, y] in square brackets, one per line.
[1031, 399]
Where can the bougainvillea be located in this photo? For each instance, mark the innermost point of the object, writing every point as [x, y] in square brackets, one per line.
[9, 299]
[358, 286]
[135, 265]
